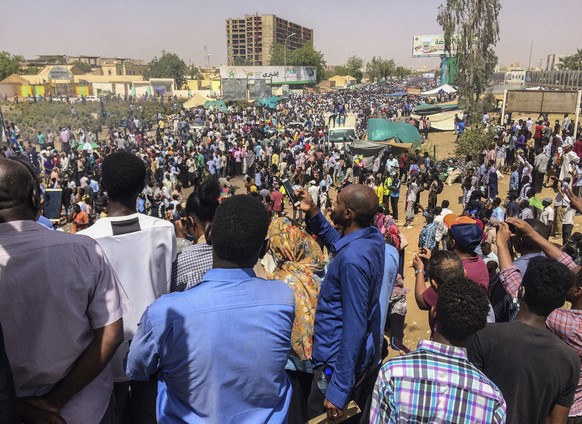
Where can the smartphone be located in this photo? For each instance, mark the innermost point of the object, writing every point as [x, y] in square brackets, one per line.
[290, 192]
[397, 345]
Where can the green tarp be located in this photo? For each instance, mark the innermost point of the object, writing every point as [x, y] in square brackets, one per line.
[216, 104]
[429, 109]
[382, 130]
[271, 102]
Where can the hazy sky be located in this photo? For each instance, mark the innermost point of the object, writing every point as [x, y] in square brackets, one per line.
[141, 29]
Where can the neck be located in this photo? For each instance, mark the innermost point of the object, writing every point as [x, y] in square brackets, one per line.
[223, 263]
[525, 316]
[439, 338]
[122, 207]
[352, 228]
[463, 254]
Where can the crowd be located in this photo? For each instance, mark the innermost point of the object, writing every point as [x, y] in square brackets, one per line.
[217, 307]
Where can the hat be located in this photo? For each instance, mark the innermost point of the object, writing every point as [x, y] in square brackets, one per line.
[312, 182]
[464, 230]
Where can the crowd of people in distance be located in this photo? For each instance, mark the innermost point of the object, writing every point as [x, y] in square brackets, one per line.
[178, 300]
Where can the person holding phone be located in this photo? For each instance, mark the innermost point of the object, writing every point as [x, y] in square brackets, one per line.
[347, 318]
[415, 385]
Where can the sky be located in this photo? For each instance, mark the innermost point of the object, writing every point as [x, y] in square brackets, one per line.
[141, 29]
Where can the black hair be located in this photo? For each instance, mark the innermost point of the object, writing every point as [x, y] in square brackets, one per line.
[203, 202]
[496, 202]
[546, 283]
[19, 186]
[239, 228]
[445, 204]
[123, 175]
[444, 266]
[461, 310]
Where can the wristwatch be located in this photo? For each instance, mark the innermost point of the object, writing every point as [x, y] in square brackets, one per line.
[418, 271]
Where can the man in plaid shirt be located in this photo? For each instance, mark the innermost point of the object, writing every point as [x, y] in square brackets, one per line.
[436, 382]
[565, 323]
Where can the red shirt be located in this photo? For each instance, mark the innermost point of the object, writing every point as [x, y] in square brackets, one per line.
[277, 198]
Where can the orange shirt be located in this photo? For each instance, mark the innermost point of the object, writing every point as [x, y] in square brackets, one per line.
[80, 221]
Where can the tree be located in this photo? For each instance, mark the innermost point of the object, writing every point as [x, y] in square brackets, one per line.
[378, 68]
[471, 30]
[304, 56]
[354, 68]
[9, 64]
[168, 66]
[572, 62]
[85, 67]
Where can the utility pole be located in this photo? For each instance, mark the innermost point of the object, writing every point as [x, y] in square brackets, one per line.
[530, 52]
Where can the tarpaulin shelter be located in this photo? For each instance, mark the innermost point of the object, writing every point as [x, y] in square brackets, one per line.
[368, 149]
[443, 121]
[430, 109]
[271, 102]
[443, 88]
[216, 104]
[384, 130]
[195, 101]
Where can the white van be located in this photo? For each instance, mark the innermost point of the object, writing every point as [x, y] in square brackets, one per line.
[341, 136]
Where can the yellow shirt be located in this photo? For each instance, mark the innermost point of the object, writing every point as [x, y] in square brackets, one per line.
[275, 159]
[380, 193]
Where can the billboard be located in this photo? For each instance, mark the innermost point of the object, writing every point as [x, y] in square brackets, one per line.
[428, 45]
[234, 89]
[541, 101]
[276, 74]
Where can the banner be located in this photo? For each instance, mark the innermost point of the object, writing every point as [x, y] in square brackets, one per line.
[276, 74]
[428, 45]
[413, 91]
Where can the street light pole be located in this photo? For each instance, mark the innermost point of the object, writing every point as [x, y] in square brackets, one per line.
[285, 53]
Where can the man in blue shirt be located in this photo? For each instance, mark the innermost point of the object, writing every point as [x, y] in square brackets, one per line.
[347, 319]
[220, 348]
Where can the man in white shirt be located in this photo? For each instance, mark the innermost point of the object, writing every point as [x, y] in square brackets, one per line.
[391, 164]
[141, 249]
[547, 216]
[569, 159]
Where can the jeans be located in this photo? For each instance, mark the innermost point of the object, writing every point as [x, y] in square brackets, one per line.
[394, 207]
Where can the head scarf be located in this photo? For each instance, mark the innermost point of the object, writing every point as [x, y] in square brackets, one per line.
[298, 257]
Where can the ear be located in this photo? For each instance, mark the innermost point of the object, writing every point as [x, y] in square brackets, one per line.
[434, 284]
[36, 200]
[520, 292]
[208, 234]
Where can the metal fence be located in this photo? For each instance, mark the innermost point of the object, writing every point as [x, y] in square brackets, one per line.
[557, 79]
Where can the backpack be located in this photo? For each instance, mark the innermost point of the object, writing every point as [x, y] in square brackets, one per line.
[440, 187]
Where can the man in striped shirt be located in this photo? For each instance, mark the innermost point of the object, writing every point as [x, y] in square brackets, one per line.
[436, 382]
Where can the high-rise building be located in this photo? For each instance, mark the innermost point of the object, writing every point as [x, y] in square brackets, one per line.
[249, 39]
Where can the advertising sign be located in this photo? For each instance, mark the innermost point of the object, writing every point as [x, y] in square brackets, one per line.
[428, 45]
[413, 91]
[276, 74]
[60, 73]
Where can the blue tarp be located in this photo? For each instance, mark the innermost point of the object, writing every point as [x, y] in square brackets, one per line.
[397, 94]
[382, 130]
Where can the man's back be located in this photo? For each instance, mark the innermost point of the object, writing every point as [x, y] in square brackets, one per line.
[533, 368]
[141, 250]
[435, 383]
[55, 289]
[220, 348]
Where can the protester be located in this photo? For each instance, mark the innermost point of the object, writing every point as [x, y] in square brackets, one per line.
[187, 338]
[195, 260]
[299, 262]
[551, 390]
[346, 331]
[59, 345]
[145, 274]
[413, 387]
